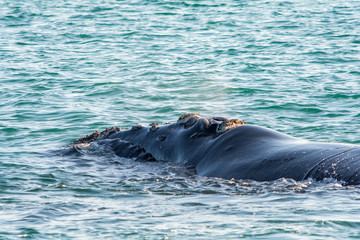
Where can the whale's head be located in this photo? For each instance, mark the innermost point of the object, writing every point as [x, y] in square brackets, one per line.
[183, 141]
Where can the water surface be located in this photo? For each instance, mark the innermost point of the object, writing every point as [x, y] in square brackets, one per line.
[70, 67]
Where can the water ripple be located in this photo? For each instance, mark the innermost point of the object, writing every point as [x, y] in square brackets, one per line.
[70, 67]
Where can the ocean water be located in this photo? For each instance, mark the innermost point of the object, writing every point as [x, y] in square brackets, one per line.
[68, 68]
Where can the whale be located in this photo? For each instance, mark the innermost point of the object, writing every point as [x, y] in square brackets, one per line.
[231, 149]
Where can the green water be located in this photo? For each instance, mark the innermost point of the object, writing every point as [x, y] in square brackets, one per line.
[70, 67]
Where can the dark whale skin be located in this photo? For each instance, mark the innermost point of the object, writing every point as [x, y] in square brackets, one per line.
[261, 154]
[243, 152]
